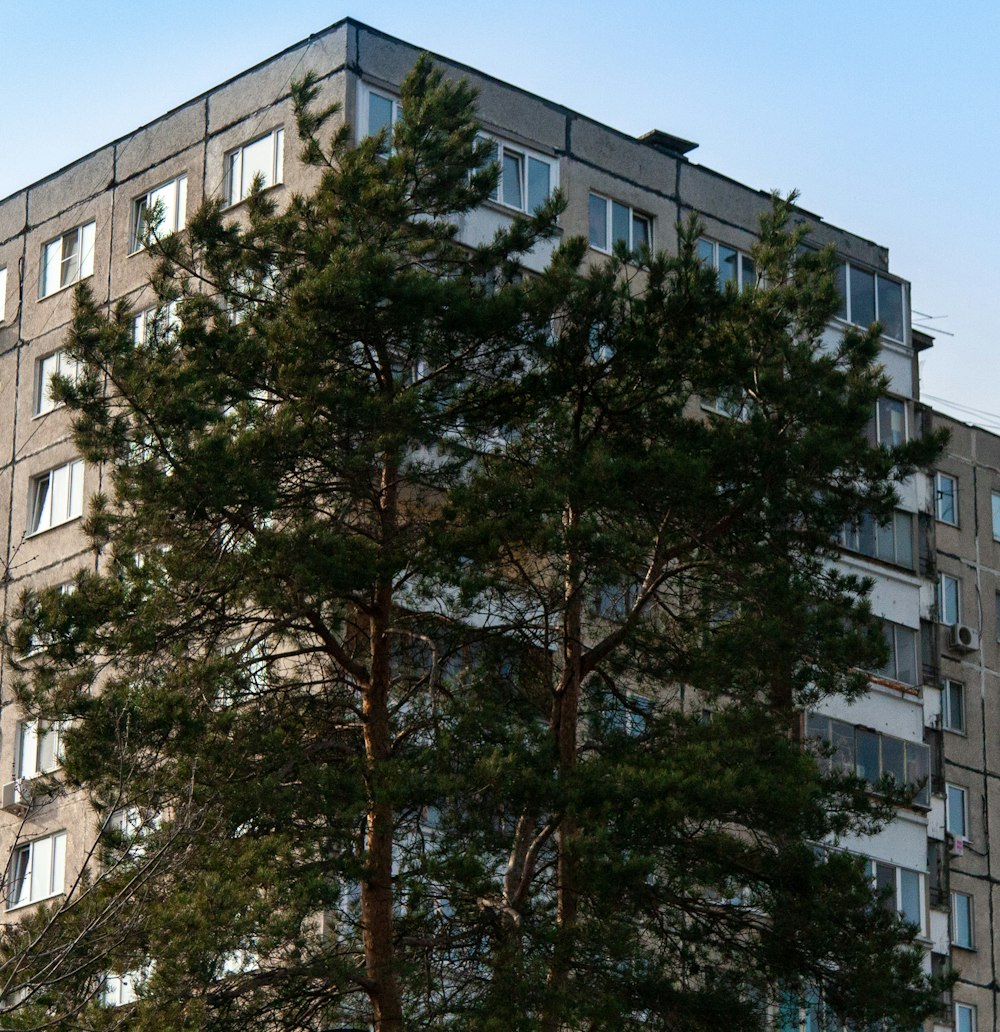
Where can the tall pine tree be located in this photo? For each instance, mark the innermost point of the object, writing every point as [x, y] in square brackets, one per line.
[444, 666]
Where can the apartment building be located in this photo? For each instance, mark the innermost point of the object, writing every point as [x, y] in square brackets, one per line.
[967, 524]
[82, 223]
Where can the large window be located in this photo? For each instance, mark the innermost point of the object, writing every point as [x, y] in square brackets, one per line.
[526, 179]
[962, 931]
[957, 812]
[37, 870]
[946, 498]
[872, 755]
[867, 297]
[949, 599]
[262, 157]
[152, 325]
[613, 223]
[38, 748]
[169, 200]
[953, 706]
[902, 662]
[892, 542]
[902, 890]
[382, 111]
[56, 497]
[732, 266]
[889, 425]
[67, 259]
[965, 1017]
[56, 364]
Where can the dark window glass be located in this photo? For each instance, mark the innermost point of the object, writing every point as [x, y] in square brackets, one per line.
[513, 166]
[621, 219]
[538, 183]
[840, 281]
[599, 222]
[862, 297]
[727, 265]
[890, 307]
[640, 232]
[868, 759]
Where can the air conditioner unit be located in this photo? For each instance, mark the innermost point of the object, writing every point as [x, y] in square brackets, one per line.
[956, 846]
[964, 638]
[16, 796]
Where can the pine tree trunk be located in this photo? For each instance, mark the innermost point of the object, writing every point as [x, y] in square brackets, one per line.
[565, 720]
[377, 888]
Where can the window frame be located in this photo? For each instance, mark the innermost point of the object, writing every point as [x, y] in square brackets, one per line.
[962, 795]
[853, 537]
[85, 233]
[611, 240]
[970, 944]
[364, 114]
[898, 872]
[526, 155]
[742, 260]
[939, 496]
[948, 721]
[27, 892]
[74, 495]
[949, 599]
[37, 732]
[3, 293]
[894, 651]
[968, 1009]
[40, 393]
[140, 205]
[845, 312]
[234, 171]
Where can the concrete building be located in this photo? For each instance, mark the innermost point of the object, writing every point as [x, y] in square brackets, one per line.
[80, 223]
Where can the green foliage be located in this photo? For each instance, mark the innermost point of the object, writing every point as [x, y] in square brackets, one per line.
[394, 539]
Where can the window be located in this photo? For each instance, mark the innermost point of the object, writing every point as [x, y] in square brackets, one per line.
[171, 201]
[67, 259]
[965, 1018]
[946, 498]
[956, 812]
[379, 111]
[995, 500]
[56, 497]
[526, 179]
[872, 755]
[263, 157]
[902, 663]
[56, 364]
[612, 223]
[889, 425]
[949, 600]
[152, 324]
[961, 921]
[3, 294]
[953, 706]
[732, 266]
[891, 542]
[37, 870]
[39, 748]
[120, 989]
[627, 715]
[867, 297]
[903, 890]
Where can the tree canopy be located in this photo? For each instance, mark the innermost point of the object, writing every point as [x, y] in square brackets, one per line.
[444, 662]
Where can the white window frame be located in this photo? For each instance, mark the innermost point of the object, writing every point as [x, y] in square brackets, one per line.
[911, 636]
[995, 505]
[174, 215]
[237, 184]
[364, 113]
[746, 269]
[72, 267]
[159, 318]
[3, 293]
[951, 721]
[37, 871]
[967, 1012]
[34, 737]
[957, 823]
[847, 315]
[898, 888]
[41, 514]
[967, 903]
[940, 481]
[43, 402]
[949, 599]
[633, 214]
[526, 156]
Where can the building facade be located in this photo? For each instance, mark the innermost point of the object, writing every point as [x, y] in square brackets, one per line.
[84, 223]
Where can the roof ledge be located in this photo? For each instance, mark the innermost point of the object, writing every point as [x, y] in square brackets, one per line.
[667, 143]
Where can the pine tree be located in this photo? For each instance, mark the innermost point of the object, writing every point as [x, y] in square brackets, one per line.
[416, 580]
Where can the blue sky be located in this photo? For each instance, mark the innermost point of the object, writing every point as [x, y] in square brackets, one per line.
[881, 114]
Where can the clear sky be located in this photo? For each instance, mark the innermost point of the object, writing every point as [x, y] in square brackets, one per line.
[882, 114]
